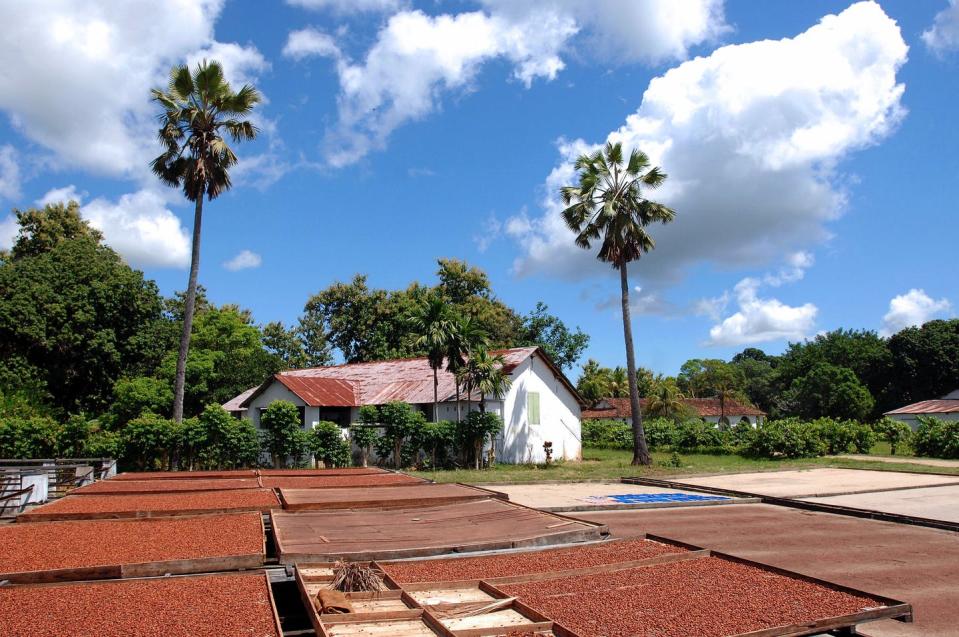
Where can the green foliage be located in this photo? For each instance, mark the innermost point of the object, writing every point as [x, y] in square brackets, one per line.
[608, 434]
[42, 230]
[697, 435]
[298, 347]
[283, 435]
[937, 438]
[924, 363]
[830, 391]
[73, 319]
[226, 357]
[436, 438]
[401, 424]
[28, 438]
[541, 328]
[217, 440]
[673, 462]
[149, 442]
[473, 431]
[103, 444]
[897, 433]
[660, 433]
[72, 437]
[134, 396]
[785, 438]
[367, 432]
[328, 444]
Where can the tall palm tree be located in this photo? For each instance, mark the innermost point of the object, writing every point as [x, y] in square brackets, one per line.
[665, 400]
[433, 323]
[607, 204]
[617, 384]
[199, 110]
[467, 337]
[483, 374]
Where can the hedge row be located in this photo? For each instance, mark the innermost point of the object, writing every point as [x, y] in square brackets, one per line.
[786, 438]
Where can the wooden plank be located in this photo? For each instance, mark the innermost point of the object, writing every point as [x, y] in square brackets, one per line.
[193, 565]
[397, 496]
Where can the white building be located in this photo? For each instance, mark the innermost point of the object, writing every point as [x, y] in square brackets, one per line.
[945, 408]
[541, 404]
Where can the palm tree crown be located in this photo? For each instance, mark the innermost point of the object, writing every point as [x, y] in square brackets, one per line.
[434, 324]
[483, 374]
[200, 109]
[608, 204]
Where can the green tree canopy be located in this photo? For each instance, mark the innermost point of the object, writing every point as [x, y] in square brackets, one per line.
[563, 345]
[74, 318]
[833, 392]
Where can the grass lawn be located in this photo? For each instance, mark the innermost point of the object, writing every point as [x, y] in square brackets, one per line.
[610, 464]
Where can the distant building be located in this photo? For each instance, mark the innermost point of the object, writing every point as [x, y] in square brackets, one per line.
[945, 408]
[708, 409]
[541, 404]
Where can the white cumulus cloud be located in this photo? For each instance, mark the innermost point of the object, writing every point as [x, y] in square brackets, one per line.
[78, 75]
[762, 319]
[9, 173]
[417, 58]
[913, 308]
[943, 35]
[8, 232]
[750, 136]
[245, 259]
[141, 228]
[350, 6]
[61, 195]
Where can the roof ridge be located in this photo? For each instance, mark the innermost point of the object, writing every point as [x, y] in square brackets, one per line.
[396, 360]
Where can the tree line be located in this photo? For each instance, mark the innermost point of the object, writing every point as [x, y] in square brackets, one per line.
[843, 374]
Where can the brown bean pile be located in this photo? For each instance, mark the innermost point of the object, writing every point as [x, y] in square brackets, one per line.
[184, 475]
[164, 486]
[164, 607]
[318, 482]
[706, 597]
[53, 545]
[339, 471]
[199, 500]
[524, 563]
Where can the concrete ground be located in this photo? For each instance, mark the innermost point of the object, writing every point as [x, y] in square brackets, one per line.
[586, 496]
[929, 462]
[937, 503]
[913, 564]
[809, 483]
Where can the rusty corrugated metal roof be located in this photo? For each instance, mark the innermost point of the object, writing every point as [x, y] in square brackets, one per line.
[705, 407]
[328, 392]
[940, 406]
[379, 382]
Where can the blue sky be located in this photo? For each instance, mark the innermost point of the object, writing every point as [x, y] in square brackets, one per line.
[812, 159]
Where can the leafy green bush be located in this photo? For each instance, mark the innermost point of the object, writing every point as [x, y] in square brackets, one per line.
[27, 438]
[150, 442]
[660, 433]
[364, 436]
[937, 438]
[786, 438]
[103, 444]
[697, 435]
[473, 430]
[435, 439]
[217, 440]
[72, 437]
[839, 436]
[897, 433]
[328, 444]
[607, 434]
[741, 433]
[283, 436]
[865, 438]
[401, 425]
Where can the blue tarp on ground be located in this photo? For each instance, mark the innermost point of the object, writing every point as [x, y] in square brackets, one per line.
[650, 498]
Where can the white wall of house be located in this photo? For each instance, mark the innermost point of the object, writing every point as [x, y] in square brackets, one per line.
[277, 391]
[733, 419]
[913, 419]
[521, 440]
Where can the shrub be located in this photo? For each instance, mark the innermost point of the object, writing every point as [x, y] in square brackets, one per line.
[328, 444]
[72, 437]
[364, 436]
[660, 433]
[28, 438]
[150, 441]
[937, 438]
[135, 396]
[838, 436]
[283, 436]
[401, 425]
[897, 433]
[741, 433]
[608, 434]
[217, 440]
[865, 438]
[435, 438]
[103, 444]
[787, 438]
[697, 435]
[473, 430]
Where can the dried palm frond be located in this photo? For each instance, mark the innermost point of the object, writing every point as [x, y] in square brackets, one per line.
[351, 577]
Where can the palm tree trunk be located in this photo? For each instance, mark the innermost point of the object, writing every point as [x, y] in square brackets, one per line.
[640, 450]
[436, 398]
[188, 307]
[459, 412]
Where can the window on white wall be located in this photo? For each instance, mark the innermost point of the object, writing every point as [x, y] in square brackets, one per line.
[532, 407]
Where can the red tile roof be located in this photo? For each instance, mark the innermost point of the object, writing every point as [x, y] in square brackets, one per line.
[378, 382]
[940, 406]
[705, 407]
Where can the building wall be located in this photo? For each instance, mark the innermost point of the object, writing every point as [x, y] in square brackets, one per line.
[521, 441]
[913, 419]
